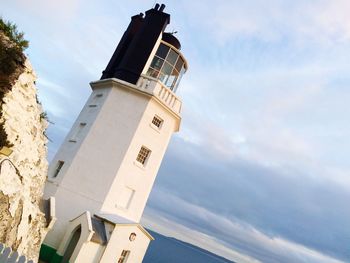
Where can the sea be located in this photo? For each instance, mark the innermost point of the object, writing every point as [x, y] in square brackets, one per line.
[170, 250]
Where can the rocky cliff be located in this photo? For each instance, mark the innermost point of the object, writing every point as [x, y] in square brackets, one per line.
[23, 164]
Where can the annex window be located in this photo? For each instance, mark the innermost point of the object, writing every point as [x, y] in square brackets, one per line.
[143, 155]
[157, 121]
[124, 256]
[58, 168]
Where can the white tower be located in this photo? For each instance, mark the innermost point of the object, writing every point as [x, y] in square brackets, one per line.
[104, 171]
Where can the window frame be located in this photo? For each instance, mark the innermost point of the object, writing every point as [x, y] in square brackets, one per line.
[157, 119]
[124, 256]
[78, 132]
[143, 155]
[58, 168]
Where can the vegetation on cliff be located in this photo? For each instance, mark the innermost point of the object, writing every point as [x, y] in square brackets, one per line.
[23, 164]
[12, 45]
[11, 31]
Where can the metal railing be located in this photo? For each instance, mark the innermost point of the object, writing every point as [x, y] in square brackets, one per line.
[9, 256]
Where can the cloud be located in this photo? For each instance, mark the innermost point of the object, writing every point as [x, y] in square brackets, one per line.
[52, 92]
[289, 116]
[285, 203]
[154, 220]
[236, 235]
[274, 20]
[64, 10]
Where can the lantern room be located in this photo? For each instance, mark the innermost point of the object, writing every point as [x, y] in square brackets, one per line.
[168, 65]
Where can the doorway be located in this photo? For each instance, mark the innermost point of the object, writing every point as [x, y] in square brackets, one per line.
[72, 245]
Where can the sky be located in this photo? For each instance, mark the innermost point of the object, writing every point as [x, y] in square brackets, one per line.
[259, 171]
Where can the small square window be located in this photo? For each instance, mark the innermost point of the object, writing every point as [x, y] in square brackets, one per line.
[95, 100]
[143, 155]
[78, 132]
[157, 121]
[124, 256]
[58, 168]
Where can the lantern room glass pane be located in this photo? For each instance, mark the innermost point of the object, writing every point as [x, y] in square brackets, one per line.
[162, 77]
[183, 70]
[157, 63]
[179, 64]
[153, 73]
[170, 81]
[172, 57]
[167, 68]
[162, 51]
[175, 72]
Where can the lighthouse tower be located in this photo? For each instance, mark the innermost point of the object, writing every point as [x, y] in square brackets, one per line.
[104, 171]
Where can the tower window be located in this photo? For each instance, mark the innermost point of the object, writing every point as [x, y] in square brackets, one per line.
[78, 132]
[58, 168]
[157, 121]
[124, 256]
[95, 99]
[125, 199]
[143, 155]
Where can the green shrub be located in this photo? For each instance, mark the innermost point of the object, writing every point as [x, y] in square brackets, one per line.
[12, 45]
[11, 31]
[12, 58]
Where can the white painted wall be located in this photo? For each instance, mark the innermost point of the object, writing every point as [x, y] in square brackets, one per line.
[90, 253]
[119, 241]
[102, 162]
[134, 175]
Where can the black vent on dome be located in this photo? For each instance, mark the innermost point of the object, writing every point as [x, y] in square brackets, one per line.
[136, 45]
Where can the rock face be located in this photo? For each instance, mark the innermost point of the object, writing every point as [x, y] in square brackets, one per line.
[23, 172]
